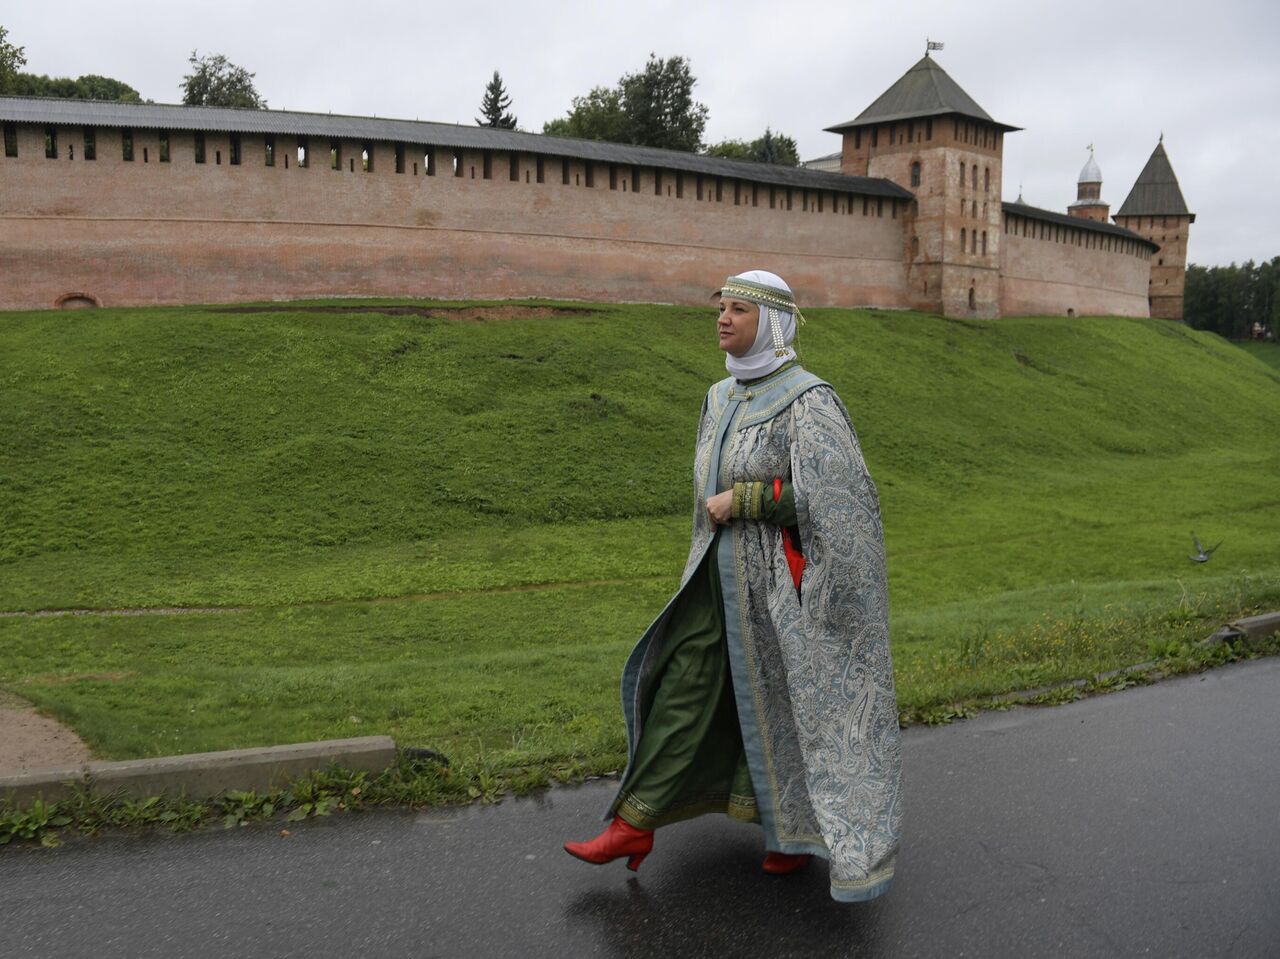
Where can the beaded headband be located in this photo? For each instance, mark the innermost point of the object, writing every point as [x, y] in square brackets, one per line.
[741, 289]
[770, 297]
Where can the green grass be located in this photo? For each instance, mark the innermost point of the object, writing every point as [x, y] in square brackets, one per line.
[1269, 353]
[451, 528]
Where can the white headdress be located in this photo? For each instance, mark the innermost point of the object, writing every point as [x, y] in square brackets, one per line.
[777, 329]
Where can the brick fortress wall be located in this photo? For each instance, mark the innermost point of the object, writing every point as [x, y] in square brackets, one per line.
[953, 166]
[1048, 268]
[1168, 277]
[452, 224]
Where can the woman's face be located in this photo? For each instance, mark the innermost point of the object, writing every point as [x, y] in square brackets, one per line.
[737, 326]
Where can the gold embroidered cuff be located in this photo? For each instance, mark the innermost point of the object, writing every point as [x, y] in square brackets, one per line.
[748, 500]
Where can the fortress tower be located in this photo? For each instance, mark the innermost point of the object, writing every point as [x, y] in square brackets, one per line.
[1089, 203]
[1155, 209]
[926, 134]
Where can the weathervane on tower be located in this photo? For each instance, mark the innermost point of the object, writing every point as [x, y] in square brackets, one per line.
[931, 45]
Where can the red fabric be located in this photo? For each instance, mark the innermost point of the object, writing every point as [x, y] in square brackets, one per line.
[790, 541]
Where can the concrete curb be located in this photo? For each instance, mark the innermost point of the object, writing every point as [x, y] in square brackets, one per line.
[1253, 627]
[201, 775]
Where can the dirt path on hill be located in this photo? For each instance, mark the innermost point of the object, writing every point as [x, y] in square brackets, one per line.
[30, 741]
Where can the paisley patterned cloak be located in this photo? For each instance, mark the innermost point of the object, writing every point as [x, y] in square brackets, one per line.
[812, 675]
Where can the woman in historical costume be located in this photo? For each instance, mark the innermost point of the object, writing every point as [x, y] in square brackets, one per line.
[764, 689]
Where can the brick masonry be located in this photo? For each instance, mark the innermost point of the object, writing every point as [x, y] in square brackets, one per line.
[114, 232]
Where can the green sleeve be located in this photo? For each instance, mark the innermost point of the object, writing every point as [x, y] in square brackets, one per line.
[781, 513]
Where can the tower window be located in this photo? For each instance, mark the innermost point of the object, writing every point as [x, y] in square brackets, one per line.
[51, 144]
[986, 179]
[198, 148]
[514, 163]
[984, 242]
[928, 129]
[857, 139]
[90, 144]
[962, 174]
[964, 236]
[915, 247]
[915, 173]
[268, 150]
[400, 158]
[126, 145]
[486, 164]
[875, 137]
[235, 149]
[302, 152]
[974, 175]
[11, 139]
[539, 169]
[335, 155]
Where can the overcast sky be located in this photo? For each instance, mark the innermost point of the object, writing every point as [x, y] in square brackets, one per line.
[1114, 73]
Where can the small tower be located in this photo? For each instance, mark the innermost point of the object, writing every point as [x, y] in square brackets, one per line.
[1089, 203]
[927, 135]
[1156, 210]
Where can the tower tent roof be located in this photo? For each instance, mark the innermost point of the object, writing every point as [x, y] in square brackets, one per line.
[1156, 191]
[926, 90]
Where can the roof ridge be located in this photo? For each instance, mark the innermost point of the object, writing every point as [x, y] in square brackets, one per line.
[184, 117]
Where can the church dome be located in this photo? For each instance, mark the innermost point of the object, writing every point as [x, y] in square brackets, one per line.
[1090, 173]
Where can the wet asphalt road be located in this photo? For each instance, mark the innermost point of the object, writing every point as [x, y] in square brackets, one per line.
[1140, 823]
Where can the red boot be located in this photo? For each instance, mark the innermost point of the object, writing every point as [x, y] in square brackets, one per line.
[781, 863]
[619, 839]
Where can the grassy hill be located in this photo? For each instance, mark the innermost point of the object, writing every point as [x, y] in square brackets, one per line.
[450, 521]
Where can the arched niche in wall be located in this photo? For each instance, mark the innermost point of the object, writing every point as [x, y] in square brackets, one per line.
[77, 301]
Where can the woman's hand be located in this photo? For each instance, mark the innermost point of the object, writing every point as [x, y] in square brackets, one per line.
[720, 507]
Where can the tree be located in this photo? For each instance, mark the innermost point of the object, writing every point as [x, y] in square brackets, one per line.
[215, 81]
[12, 59]
[1229, 299]
[597, 116]
[660, 108]
[88, 87]
[495, 106]
[654, 108]
[775, 148]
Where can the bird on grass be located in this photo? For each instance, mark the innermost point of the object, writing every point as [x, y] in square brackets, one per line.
[1202, 555]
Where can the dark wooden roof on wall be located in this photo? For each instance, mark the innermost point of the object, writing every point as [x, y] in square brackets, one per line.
[1156, 191]
[1076, 222]
[49, 111]
[926, 90]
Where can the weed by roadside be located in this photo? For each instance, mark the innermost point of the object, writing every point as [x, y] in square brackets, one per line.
[411, 782]
[1173, 657]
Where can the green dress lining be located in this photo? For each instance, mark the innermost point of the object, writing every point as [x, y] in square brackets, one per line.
[690, 759]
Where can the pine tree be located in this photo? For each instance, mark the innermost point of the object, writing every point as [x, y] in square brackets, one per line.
[495, 105]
